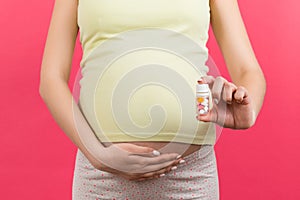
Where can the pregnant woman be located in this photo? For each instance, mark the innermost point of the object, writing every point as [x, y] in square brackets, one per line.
[121, 156]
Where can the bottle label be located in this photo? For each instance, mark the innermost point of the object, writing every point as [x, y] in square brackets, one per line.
[202, 102]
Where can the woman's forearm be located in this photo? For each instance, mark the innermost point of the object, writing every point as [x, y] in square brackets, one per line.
[59, 100]
[254, 81]
[232, 38]
[138, 164]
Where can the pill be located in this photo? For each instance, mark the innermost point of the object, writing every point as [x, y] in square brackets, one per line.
[200, 106]
[200, 99]
[204, 104]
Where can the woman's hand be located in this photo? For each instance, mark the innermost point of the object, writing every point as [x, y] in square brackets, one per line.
[232, 105]
[134, 162]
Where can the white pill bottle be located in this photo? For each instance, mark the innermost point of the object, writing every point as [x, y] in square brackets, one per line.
[202, 98]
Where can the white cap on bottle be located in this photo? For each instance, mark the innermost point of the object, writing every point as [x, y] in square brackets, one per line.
[202, 87]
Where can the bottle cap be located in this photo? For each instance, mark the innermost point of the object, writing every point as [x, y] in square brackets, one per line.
[202, 87]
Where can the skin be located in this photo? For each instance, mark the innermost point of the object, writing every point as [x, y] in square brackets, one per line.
[54, 90]
[243, 96]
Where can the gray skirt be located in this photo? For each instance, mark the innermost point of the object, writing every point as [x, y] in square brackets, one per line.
[197, 178]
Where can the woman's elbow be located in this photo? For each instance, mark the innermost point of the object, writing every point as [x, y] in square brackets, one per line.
[43, 87]
[47, 82]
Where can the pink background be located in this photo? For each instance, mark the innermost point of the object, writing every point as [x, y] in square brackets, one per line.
[261, 163]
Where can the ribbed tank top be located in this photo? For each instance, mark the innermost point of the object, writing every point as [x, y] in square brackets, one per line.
[140, 65]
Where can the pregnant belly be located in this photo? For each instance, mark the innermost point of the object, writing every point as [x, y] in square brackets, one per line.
[166, 147]
[145, 98]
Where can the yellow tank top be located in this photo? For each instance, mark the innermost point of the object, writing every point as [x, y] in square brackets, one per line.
[140, 65]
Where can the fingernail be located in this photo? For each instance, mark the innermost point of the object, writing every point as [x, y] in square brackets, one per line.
[182, 161]
[178, 156]
[173, 168]
[216, 101]
[156, 153]
[161, 175]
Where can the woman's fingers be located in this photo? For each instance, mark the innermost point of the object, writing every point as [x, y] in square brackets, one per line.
[221, 89]
[222, 92]
[160, 162]
[158, 166]
[159, 173]
[231, 104]
[138, 150]
[228, 91]
[211, 116]
[241, 95]
[144, 159]
[217, 89]
[209, 80]
[162, 172]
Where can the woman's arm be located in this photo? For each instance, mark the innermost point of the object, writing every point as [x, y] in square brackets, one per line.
[244, 97]
[55, 70]
[231, 35]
